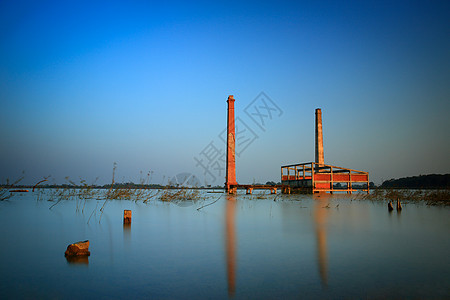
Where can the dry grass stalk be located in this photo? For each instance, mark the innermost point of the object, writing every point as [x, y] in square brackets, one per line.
[430, 197]
[4, 189]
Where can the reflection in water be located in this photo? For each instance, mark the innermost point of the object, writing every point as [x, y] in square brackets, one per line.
[399, 216]
[78, 260]
[321, 207]
[172, 251]
[127, 233]
[230, 243]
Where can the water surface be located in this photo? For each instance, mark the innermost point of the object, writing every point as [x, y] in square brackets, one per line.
[296, 246]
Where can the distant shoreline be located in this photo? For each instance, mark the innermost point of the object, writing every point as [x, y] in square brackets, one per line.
[184, 187]
[421, 182]
[431, 181]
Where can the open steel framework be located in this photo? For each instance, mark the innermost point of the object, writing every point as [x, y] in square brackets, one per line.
[313, 178]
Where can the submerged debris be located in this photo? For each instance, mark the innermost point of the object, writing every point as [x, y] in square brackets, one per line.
[127, 216]
[430, 197]
[399, 205]
[78, 249]
[390, 206]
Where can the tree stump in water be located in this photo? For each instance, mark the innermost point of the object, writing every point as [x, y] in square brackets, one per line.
[79, 248]
[390, 206]
[399, 205]
[127, 216]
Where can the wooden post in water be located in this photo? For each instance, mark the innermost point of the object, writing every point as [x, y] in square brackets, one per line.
[399, 205]
[127, 216]
[390, 206]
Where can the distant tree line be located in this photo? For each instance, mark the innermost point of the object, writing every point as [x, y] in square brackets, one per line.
[117, 185]
[432, 181]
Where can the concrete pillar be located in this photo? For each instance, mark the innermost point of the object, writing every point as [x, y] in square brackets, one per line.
[231, 183]
[319, 138]
[127, 216]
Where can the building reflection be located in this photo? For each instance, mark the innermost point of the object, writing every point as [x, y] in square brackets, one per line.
[321, 207]
[230, 243]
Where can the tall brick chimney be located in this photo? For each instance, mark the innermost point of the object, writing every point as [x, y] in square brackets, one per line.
[319, 137]
[231, 183]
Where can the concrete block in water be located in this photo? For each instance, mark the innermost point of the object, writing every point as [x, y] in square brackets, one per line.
[79, 248]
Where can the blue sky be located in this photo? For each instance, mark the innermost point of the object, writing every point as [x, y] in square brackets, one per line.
[84, 84]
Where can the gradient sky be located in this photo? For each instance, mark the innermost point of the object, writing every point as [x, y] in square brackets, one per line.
[84, 84]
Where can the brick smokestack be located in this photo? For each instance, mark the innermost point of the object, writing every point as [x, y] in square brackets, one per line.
[319, 137]
[231, 183]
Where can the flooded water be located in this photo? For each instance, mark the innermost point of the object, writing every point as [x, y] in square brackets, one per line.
[296, 246]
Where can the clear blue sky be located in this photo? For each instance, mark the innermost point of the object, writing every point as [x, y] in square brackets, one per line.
[84, 84]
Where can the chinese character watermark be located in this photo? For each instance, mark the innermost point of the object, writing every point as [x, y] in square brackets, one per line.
[245, 136]
[212, 161]
[184, 180]
[261, 110]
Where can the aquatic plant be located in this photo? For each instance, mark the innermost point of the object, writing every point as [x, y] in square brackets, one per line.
[4, 188]
[179, 194]
[430, 197]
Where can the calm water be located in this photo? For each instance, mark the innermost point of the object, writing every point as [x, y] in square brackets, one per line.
[242, 247]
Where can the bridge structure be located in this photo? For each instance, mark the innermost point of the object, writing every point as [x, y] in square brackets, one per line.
[285, 188]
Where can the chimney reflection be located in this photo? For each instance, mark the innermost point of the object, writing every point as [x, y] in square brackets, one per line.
[230, 243]
[321, 205]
